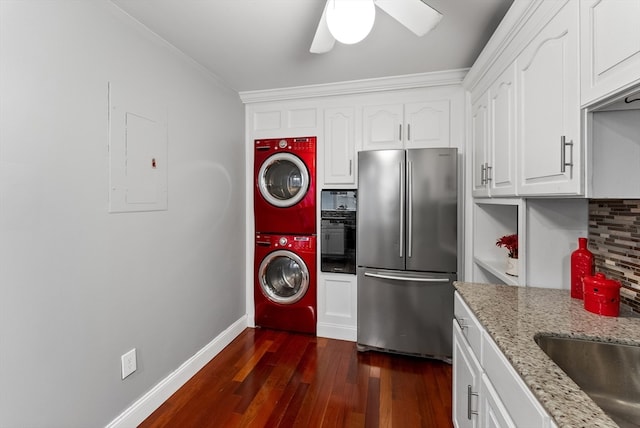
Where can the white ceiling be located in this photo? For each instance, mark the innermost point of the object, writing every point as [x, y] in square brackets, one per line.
[264, 44]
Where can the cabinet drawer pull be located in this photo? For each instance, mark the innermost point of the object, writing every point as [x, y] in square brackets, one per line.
[469, 395]
[400, 132]
[462, 323]
[563, 155]
[482, 174]
[408, 132]
[488, 169]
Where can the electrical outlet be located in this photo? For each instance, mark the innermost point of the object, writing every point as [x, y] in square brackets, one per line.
[129, 363]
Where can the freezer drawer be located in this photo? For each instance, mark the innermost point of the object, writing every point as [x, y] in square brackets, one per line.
[405, 312]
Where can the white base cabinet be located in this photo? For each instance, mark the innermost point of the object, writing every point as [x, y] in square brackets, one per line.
[466, 381]
[487, 391]
[492, 411]
[337, 306]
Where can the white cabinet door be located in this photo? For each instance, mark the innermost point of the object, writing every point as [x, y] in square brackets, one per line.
[427, 125]
[466, 382]
[502, 135]
[492, 411]
[524, 409]
[479, 143]
[337, 306]
[549, 158]
[382, 127]
[339, 146]
[610, 49]
[407, 126]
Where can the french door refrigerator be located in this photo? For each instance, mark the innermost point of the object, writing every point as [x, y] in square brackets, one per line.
[407, 250]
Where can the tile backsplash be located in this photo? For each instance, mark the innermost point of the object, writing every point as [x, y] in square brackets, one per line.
[614, 240]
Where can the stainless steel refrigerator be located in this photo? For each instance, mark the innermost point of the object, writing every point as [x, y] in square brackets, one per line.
[407, 250]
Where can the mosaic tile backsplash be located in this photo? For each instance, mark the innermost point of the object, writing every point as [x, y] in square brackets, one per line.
[614, 240]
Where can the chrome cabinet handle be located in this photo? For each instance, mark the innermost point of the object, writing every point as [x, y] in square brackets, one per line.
[350, 165]
[482, 174]
[408, 132]
[400, 132]
[462, 323]
[488, 170]
[469, 394]
[563, 161]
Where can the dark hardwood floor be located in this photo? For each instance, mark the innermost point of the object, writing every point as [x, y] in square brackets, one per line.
[267, 378]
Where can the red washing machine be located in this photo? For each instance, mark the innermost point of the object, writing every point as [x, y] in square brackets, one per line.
[285, 282]
[285, 186]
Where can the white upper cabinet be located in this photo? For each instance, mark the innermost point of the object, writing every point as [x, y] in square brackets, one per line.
[413, 125]
[502, 135]
[427, 124]
[339, 146]
[610, 47]
[382, 127]
[493, 138]
[549, 158]
[479, 143]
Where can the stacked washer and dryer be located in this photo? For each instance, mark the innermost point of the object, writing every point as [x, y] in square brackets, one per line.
[285, 224]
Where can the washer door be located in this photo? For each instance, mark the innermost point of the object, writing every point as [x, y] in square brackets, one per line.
[283, 277]
[283, 180]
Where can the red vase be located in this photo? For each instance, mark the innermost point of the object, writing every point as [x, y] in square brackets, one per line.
[581, 266]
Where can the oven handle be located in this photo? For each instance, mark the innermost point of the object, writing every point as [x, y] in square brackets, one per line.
[405, 278]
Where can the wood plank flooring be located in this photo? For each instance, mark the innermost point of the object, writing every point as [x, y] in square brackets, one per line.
[268, 378]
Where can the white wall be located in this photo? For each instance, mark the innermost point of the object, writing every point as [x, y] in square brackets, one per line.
[78, 286]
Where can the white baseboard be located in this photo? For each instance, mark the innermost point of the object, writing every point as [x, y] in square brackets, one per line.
[149, 402]
[336, 331]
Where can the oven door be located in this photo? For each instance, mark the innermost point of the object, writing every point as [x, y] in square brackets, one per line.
[337, 248]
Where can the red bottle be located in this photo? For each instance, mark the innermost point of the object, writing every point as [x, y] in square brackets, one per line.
[581, 266]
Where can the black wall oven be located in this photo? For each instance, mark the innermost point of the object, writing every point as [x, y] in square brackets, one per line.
[338, 231]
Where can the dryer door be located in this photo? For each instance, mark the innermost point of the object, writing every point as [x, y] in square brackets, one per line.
[283, 180]
[283, 277]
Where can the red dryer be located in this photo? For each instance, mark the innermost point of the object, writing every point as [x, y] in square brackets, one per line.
[285, 185]
[285, 282]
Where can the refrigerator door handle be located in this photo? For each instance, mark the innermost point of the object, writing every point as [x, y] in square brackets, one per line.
[409, 208]
[402, 179]
[405, 278]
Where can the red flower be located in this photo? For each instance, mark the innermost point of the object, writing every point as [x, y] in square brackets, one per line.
[510, 242]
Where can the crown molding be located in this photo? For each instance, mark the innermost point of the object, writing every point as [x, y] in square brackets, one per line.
[519, 11]
[409, 81]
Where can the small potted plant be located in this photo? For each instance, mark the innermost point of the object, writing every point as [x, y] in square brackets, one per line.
[510, 242]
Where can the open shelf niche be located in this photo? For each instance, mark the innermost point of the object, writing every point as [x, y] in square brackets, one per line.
[494, 218]
[548, 230]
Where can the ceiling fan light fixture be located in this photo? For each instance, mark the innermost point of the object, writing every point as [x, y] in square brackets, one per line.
[350, 21]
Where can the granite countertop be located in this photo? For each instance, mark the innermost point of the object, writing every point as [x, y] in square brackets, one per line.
[514, 315]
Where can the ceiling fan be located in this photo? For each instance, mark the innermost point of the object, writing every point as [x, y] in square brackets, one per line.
[349, 21]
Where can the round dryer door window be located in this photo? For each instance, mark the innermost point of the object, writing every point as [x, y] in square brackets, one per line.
[283, 180]
[284, 277]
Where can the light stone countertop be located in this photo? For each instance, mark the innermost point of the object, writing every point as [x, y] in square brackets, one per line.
[514, 315]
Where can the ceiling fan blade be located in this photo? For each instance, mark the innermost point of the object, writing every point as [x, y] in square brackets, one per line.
[413, 14]
[323, 41]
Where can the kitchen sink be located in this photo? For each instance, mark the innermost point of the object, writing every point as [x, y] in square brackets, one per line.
[609, 373]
